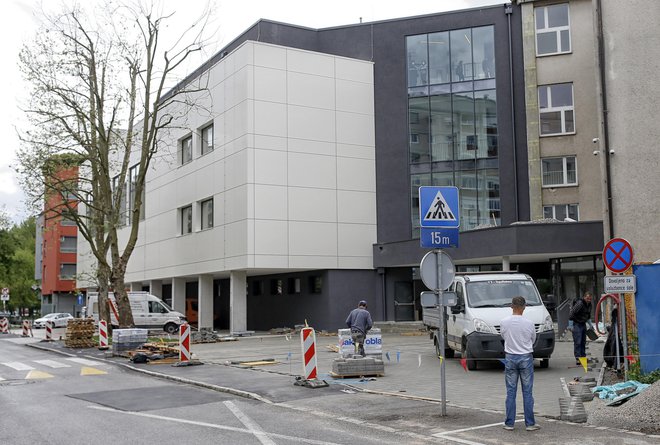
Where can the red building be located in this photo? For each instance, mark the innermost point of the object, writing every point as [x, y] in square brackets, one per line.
[57, 238]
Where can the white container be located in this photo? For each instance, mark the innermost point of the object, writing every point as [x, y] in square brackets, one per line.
[373, 344]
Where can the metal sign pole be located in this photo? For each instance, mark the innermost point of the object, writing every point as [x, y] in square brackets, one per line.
[443, 394]
[624, 333]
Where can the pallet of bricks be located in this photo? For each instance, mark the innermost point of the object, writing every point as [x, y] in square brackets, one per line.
[124, 340]
[80, 333]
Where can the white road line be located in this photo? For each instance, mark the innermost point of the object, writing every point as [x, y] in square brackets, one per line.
[52, 364]
[1, 379]
[473, 428]
[84, 361]
[249, 424]
[212, 425]
[18, 366]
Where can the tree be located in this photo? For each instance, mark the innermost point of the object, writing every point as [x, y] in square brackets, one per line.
[99, 104]
[17, 262]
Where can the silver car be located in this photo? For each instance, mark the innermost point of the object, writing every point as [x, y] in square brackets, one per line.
[59, 319]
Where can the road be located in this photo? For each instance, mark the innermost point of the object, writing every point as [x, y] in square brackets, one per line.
[70, 400]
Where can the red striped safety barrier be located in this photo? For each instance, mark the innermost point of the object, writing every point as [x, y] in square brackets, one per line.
[308, 341]
[103, 334]
[184, 342]
[49, 330]
[4, 325]
[26, 328]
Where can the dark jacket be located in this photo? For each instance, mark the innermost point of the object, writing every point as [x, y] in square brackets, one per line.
[580, 312]
[359, 319]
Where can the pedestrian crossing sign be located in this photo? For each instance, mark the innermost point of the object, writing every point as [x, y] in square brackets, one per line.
[438, 207]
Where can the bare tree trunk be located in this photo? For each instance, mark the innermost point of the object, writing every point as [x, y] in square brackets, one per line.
[121, 296]
[104, 308]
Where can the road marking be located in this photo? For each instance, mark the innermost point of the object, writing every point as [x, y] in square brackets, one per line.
[85, 370]
[211, 425]
[18, 366]
[1, 379]
[52, 364]
[472, 428]
[38, 375]
[84, 361]
[249, 424]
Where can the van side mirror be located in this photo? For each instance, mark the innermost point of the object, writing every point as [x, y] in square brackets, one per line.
[457, 309]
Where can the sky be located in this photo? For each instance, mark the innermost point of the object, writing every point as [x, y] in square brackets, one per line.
[230, 18]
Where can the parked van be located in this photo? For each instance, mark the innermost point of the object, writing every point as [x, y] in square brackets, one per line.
[483, 300]
[149, 311]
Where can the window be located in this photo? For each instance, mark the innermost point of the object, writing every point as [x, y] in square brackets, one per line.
[315, 284]
[68, 244]
[553, 33]
[294, 285]
[561, 212]
[559, 171]
[186, 220]
[67, 220]
[414, 138]
[186, 150]
[556, 109]
[133, 173]
[156, 308]
[207, 140]
[207, 214]
[67, 271]
[256, 288]
[276, 287]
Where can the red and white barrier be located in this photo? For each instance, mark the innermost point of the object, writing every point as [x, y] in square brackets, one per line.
[26, 328]
[103, 334]
[4, 326]
[184, 342]
[49, 330]
[308, 341]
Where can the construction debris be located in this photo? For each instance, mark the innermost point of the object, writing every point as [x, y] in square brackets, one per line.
[204, 335]
[80, 333]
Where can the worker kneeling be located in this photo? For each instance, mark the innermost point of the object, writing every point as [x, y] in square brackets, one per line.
[359, 321]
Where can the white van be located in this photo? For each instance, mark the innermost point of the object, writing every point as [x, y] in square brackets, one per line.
[483, 300]
[149, 311]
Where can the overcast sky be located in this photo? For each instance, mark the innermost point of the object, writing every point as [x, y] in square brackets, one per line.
[231, 17]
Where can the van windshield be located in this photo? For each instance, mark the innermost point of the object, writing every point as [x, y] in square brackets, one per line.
[498, 293]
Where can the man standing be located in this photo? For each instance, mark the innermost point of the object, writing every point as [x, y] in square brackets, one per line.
[579, 315]
[519, 335]
[359, 320]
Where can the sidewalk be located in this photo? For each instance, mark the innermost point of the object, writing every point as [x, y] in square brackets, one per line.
[412, 371]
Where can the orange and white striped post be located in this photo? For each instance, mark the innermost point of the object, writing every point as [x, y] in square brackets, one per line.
[308, 341]
[184, 343]
[4, 325]
[49, 330]
[103, 334]
[26, 328]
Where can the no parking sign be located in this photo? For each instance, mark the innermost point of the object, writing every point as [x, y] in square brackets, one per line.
[618, 255]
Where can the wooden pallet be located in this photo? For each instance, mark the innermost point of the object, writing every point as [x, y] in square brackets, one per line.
[353, 376]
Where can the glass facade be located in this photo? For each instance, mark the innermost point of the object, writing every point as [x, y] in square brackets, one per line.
[452, 120]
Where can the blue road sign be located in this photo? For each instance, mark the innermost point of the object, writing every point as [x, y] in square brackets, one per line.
[80, 298]
[439, 217]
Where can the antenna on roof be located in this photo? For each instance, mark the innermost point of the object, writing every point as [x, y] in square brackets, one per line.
[360, 19]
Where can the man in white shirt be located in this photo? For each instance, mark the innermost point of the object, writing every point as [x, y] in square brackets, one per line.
[519, 335]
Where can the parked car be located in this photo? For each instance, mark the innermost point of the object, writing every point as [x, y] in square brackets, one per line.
[59, 319]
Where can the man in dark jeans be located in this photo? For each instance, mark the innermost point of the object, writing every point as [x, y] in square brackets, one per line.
[580, 314]
[359, 320]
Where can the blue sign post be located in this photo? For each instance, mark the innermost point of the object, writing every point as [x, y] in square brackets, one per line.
[439, 217]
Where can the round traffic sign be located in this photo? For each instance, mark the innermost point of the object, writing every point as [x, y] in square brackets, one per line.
[618, 255]
[429, 270]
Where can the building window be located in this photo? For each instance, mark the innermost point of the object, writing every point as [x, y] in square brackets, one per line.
[186, 220]
[68, 244]
[559, 171]
[276, 287]
[133, 173]
[207, 213]
[186, 150]
[207, 140]
[562, 211]
[553, 32]
[556, 109]
[315, 284]
[67, 271]
[67, 220]
[294, 285]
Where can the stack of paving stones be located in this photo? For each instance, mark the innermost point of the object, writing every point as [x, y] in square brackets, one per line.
[124, 340]
[80, 333]
[357, 366]
[572, 409]
[204, 335]
[582, 390]
[640, 413]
